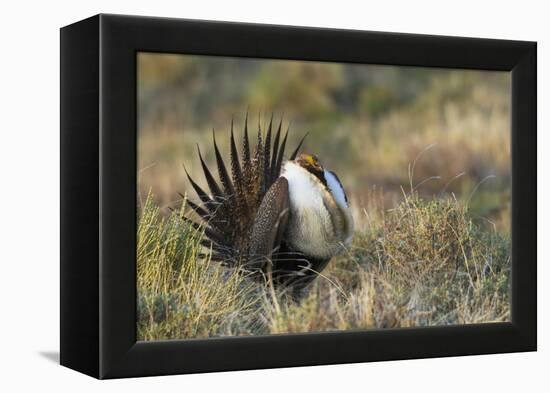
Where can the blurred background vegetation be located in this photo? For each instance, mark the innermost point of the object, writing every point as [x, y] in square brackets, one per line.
[368, 123]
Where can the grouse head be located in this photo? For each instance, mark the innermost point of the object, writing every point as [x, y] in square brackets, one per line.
[311, 163]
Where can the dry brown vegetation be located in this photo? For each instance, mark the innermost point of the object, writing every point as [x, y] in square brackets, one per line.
[423, 263]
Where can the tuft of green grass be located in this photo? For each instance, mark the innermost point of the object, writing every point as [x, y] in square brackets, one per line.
[181, 294]
[425, 262]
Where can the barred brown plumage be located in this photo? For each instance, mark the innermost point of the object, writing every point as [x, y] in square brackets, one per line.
[247, 215]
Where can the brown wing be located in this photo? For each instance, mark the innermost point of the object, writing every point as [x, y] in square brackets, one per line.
[269, 224]
[269, 252]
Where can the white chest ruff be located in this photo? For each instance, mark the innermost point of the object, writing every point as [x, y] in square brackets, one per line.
[320, 224]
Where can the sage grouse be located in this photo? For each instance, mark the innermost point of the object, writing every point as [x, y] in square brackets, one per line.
[279, 220]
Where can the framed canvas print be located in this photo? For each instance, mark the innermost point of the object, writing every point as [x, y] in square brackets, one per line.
[239, 196]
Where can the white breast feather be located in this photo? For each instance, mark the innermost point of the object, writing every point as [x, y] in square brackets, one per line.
[304, 191]
[310, 228]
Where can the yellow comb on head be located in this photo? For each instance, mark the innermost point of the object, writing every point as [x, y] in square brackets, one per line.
[309, 160]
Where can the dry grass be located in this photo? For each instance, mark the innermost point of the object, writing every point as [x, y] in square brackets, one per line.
[180, 294]
[425, 262]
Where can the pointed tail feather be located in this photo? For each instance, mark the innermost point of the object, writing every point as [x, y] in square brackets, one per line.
[214, 188]
[275, 153]
[247, 162]
[295, 153]
[222, 170]
[211, 233]
[203, 196]
[235, 164]
[267, 156]
[281, 154]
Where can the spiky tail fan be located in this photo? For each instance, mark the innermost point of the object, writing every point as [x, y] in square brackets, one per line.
[230, 212]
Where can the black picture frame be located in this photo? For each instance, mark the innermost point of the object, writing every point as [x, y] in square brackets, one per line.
[98, 195]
